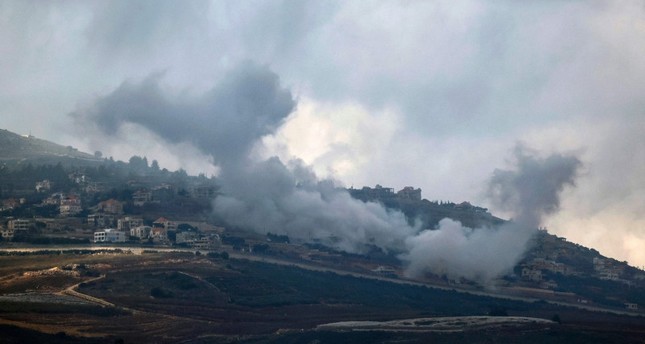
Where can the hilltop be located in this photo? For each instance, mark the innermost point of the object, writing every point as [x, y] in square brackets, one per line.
[21, 147]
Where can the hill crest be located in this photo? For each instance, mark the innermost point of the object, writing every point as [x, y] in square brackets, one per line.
[17, 147]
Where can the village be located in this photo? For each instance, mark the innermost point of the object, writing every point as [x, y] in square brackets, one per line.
[83, 210]
[159, 209]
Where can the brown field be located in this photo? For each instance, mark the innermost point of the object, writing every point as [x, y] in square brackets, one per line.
[183, 297]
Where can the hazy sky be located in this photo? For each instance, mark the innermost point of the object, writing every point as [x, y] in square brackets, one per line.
[434, 94]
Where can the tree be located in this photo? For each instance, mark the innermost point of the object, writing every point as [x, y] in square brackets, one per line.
[157, 292]
[98, 154]
[498, 312]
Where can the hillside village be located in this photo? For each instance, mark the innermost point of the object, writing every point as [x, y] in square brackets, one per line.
[87, 208]
[137, 203]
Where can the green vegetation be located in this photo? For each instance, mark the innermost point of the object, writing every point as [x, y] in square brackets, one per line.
[263, 285]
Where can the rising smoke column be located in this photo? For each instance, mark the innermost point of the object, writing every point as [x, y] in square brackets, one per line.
[529, 191]
[226, 122]
[287, 198]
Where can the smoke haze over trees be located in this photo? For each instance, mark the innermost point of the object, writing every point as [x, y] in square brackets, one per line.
[269, 195]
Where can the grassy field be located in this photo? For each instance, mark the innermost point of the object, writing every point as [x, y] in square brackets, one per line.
[183, 297]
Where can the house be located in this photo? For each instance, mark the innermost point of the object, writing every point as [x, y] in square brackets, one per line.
[101, 220]
[70, 205]
[606, 270]
[369, 194]
[43, 186]
[159, 234]
[111, 206]
[532, 275]
[409, 193]
[10, 204]
[384, 270]
[141, 232]
[206, 242]
[186, 237]
[110, 235]
[631, 306]
[608, 275]
[54, 199]
[550, 284]
[141, 197]
[163, 222]
[19, 224]
[128, 222]
[77, 177]
[203, 191]
[548, 265]
[94, 187]
[469, 207]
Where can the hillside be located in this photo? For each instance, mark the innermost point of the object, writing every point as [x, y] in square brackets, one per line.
[18, 147]
[551, 264]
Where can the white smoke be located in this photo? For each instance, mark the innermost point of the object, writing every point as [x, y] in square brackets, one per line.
[530, 192]
[455, 251]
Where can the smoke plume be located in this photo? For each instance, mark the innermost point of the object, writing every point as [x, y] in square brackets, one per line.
[287, 198]
[529, 191]
[265, 196]
[225, 121]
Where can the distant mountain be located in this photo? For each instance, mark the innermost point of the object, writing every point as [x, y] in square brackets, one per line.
[19, 147]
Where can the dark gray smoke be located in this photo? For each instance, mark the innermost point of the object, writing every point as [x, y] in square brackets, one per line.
[225, 122]
[533, 189]
[529, 191]
[270, 195]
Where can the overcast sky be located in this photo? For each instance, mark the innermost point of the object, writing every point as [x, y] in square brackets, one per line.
[433, 94]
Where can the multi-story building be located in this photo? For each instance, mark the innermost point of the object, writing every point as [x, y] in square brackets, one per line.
[101, 220]
[110, 235]
[19, 224]
[70, 205]
[111, 206]
[409, 193]
[128, 222]
[141, 232]
[141, 197]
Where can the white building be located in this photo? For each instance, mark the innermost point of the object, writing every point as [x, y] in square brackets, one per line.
[206, 243]
[19, 224]
[110, 235]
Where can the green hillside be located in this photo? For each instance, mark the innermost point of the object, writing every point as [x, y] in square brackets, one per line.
[18, 147]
